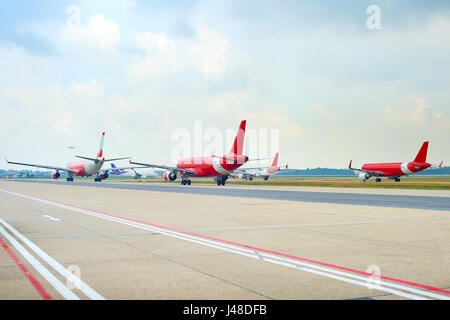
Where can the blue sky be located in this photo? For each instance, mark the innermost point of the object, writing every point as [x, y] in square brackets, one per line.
[143, 69]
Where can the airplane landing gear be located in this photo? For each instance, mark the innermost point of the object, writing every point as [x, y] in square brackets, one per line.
[221, 180]
[378, 180]
[397, 179]
[185, 182]
[266, 178]
[70, 179]
[98, 180]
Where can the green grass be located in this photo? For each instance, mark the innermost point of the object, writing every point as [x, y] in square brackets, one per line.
[329, 182]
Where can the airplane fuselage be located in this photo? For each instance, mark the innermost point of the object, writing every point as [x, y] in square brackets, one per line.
[263, 172]
[396, 169]
[85, 168]
[212, 166]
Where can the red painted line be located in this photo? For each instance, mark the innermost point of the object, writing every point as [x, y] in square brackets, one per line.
[39, 288]
[414, 284]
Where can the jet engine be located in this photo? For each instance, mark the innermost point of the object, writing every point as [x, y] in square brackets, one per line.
[364, 176]
[169, 175]
[55, 175]
[103, 175]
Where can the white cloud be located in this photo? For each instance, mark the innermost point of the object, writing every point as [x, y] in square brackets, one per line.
[414, 112]
[224, 102]
[158, 43]
[164, 55]
[275, 120]
[320, 109]
[160, 57]
[99, 33]
[209, 53]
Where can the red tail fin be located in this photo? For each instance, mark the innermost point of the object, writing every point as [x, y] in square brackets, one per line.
[422, 155]
[275, 161]
[238, 144]
[100, 148]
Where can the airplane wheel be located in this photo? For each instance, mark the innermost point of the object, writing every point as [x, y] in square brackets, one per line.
[266, 178]
[189, 182]
[397, 179]
[223, 182]
[378, 180]
[219, 182]
[250, 179]
[183, 182]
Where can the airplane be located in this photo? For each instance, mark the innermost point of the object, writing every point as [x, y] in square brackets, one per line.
[218, 167]
[395, 170]
[264, 172]
[134, 173]
[85, 168]
[116, 171]
[11, 174]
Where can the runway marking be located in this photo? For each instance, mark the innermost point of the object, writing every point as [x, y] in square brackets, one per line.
[36, 284]
[50, 217]
[348, 275]
[57, 284]
[86, 289]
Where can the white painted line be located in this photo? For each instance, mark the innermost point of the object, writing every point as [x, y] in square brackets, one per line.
[272, 258]
[58, 285]
[86, 289]
[50, 217]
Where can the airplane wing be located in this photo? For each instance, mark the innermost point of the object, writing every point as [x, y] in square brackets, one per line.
[373, 173]
[149, 165]
[42, 166]
[437, 165]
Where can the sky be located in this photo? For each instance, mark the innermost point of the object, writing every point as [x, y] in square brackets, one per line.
[311, 73]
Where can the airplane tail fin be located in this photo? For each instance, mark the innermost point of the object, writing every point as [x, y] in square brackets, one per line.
[422, 155]
[238, 144]
[100, 149]
[275, 161]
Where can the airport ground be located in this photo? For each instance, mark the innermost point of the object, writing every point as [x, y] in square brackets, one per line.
[161, 242]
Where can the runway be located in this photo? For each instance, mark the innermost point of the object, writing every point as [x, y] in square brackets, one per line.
[146, 244]
[381, 200]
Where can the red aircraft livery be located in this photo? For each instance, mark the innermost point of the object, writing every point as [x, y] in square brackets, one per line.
[212, 166]
[84, 168]
[264, 172]
[395, 170]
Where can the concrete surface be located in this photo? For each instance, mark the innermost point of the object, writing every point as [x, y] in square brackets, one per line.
[124, 262]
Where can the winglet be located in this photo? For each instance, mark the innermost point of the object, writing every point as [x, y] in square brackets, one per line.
[287, 166]
[350, 164]
[440, 165]
[6, 160]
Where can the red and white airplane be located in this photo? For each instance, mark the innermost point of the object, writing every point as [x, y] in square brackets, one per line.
[211, 166]
[264, 172]
[85, 168]
[397, 169]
